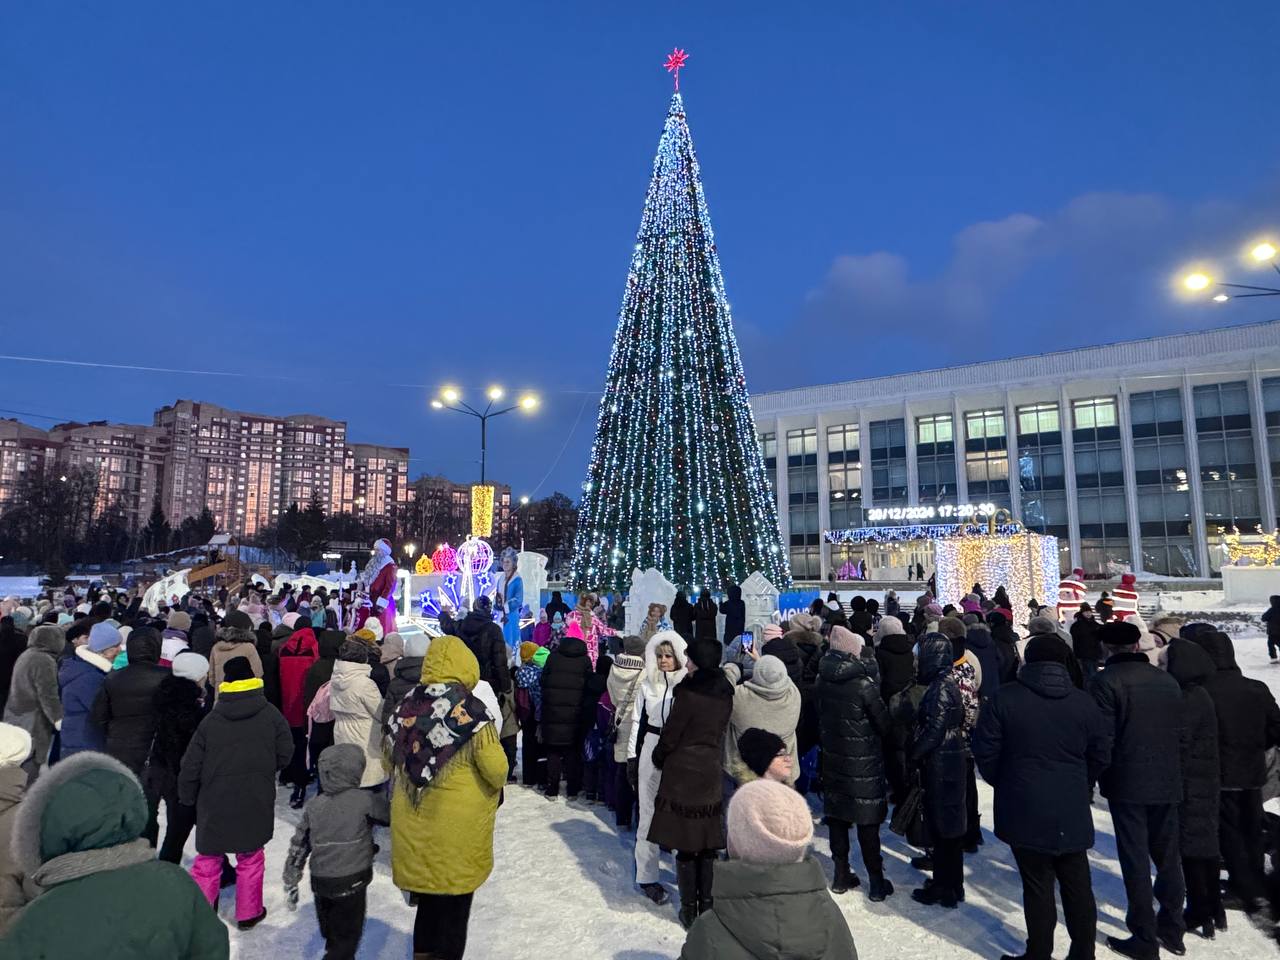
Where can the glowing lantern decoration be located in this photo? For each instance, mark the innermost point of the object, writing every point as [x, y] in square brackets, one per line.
[445, 559]
[424, 565]
[482, 510]
[475, 556]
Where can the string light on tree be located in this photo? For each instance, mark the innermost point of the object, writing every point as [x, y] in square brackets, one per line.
[676, 479]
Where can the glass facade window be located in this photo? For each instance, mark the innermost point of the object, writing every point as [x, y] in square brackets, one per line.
[1041, 470]
[986, 453]
[802, 503]
[844, 476]
[769, 452]
[935, 458]
[888, 463]
[1104, 520]
[1228, 469]
[1162, 483]
[1271, 412]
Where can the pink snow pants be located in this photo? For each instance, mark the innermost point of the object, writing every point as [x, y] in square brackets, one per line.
[207, 873]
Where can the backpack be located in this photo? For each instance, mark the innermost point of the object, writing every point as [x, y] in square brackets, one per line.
[320, 711]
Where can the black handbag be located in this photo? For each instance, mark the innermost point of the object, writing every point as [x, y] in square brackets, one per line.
[908, 819]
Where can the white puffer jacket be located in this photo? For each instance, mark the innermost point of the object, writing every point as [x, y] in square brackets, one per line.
[653, 698]
[357, 709]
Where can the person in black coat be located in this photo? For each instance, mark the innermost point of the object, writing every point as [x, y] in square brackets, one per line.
[688, 811]
[1248, 723]
[860, 620]
[896, 659]
[483, 637]
[735, 614]
[125, 710]
[228, 774]
[1084, 640]
[564, 683]
[1042, 745]
[1142, 705]
[12, 643]
[854, 722]
[1006, 643]
[203, 636]
[320, 735]
[939, 752]
[557, 605]
[180, 701]
[978, 639]
[704, 616]
[1191, 666]
[682, 616]
[1271, 618]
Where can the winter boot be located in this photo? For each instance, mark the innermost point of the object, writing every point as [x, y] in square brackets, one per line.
[880, 887]
[845, 879]
[687, 884]
[706, 866]
[298, 797]
[655, 892]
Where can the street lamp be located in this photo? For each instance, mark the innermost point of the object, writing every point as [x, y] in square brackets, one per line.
[1262, 252]
[410, 549]
[451, 399]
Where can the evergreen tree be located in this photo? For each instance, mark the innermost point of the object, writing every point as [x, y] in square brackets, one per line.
[156, 534]
[206, 526]
[676, 480]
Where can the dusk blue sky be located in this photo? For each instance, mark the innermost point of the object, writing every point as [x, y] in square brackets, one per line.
[358, 195]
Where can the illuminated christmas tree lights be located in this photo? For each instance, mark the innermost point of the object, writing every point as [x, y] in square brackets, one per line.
[676, 480]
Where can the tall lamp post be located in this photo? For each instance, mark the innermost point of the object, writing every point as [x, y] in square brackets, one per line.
[1262, 252]
[451, 399]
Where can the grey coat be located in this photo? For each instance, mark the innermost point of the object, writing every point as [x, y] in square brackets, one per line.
[770, 911]
[335, 827]
[763, 705]
[33, 702]
[14, 893]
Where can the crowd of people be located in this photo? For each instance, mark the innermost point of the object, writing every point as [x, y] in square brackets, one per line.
[717, 741]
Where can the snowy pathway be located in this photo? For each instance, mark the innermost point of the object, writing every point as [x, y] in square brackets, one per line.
[562, 887]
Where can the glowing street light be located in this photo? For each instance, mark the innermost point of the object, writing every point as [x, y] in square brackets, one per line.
[524, 501]
[1261, 252]
[494, 393]
[1196, 281]
[451, 399]
[528, 402]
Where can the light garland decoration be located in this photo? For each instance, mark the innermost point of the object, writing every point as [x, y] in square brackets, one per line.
[919, 531]
[445, 559]
[1264, 553]
[482, 510]
[471, 577]
[1025, 563]
[424, 566]
[676, 479]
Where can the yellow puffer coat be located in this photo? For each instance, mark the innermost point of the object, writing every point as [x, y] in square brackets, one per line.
[445, 844]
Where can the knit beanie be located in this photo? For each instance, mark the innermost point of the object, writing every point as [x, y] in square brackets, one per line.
[190, 665]
[15, 745]
[574, 630]
[354, 650]
[64, 619]
[890, 627]
[527, 650]
[289, 619]
[392, 647]
[758, 748]
[769, 823]
[103, 636]
[1118, 633]
[374, 626]
[365, 636]
[633, 646]
[237, 619]
[769, 673]
[1045, 648]
[933, 611]
[772, 632]
[178, 620]
[952, 628]
[540, 658]
[705, 654]
[846, 641]
[415, 644]
[237, 668]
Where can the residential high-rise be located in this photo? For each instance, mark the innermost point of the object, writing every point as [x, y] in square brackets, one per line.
[130, 462]
[22, 448]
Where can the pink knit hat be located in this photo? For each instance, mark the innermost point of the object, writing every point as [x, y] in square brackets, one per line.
[846, 641]
[769, 823]
[772, 632]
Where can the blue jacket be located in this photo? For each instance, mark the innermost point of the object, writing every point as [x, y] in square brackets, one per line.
[79, 681]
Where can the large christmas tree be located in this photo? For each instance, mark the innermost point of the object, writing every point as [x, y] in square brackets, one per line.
[676, 480]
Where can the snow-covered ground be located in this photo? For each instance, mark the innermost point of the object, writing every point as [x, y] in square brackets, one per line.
[562, 886]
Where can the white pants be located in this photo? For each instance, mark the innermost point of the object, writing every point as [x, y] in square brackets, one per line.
[647, 854]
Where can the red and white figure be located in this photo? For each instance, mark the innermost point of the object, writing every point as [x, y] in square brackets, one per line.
[1126, 597]
[376, 587]
[1070, 595]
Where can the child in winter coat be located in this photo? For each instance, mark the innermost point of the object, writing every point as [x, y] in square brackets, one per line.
[335, 832]
[528, 681]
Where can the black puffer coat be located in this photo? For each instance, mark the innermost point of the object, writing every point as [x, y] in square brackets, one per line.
[897, 664]
[1042, 743]
[704, 618]
[405, 675]
[1191, 666]
[483, 638]
[1142, 706]
[688, 812]
[682, 616]
[978, 639]
[939, 749]
[1084, 639]
[1248, 718]
[1006, 642]
[564, 684]
[179, 709]
[125, 706]
[735, 614]
[320, 672]
[854, 721]
[229, 772]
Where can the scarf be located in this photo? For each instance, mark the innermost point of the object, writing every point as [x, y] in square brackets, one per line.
[432, 723]
[83, 863]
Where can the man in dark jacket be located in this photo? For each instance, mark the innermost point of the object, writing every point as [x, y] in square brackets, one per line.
[940, 753]
[860, 620]
[125, 709]
[1084, 641]
[978, 639]
[735, 614]
[1271, 617]
[1042, 744]
[1248, 723]
[1006, 643]
[564, 682]
[483, 637]
[1143, 707]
